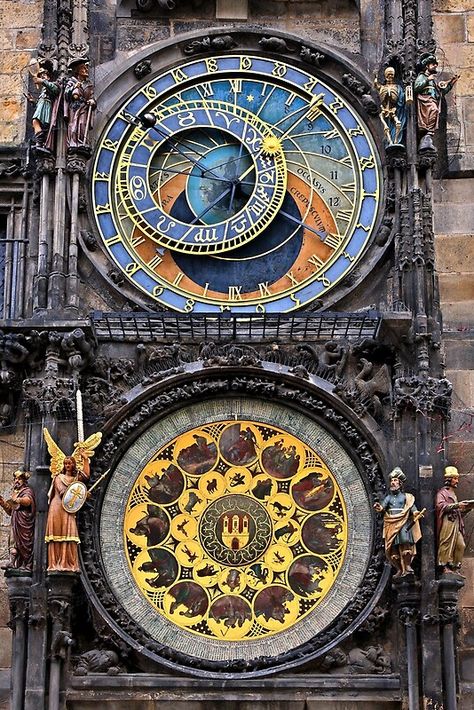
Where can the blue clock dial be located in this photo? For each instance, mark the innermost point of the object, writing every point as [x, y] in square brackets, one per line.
[257, 189]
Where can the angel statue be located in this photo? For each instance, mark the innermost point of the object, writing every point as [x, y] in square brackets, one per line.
[66, 496]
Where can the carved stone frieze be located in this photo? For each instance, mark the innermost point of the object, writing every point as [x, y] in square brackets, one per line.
[57, 358]
[423, 394]
[311, 56]
[207, 44]
[224, 355]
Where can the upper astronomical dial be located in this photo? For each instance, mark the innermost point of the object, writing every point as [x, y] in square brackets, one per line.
[257, 189]
[221, 156]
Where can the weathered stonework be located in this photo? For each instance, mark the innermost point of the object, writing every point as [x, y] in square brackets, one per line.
[21, 35]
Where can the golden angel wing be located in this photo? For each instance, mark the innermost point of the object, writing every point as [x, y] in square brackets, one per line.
[88, 446]
[57, 456]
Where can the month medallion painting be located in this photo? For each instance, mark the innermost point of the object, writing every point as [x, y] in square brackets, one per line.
[236, 530]
[235, 183]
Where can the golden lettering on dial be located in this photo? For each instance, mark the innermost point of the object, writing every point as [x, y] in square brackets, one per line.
[235, 293]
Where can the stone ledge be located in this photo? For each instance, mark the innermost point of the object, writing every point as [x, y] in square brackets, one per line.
[366, 686]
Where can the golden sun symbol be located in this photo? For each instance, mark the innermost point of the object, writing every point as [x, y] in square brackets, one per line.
[271, 145]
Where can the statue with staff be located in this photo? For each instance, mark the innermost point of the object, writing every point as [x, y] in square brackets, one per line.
[67, 495]
[79, 104]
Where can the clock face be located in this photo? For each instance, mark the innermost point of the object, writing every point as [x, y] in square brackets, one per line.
[235, 183]
[233, 529]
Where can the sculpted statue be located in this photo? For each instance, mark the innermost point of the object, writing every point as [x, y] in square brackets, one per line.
[66, 495]
[79, 105]
[21, 507]
[428, 94]
[392, 108]
[401, 529]
[450, 522]
[45, 114]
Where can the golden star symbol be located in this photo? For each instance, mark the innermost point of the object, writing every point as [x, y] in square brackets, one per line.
[250, 98]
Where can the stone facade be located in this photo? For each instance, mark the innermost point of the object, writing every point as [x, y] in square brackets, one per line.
[21, 35]
[454, 217]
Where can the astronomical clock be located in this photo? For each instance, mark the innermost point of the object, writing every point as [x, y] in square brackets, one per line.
[236, 530]
[235, 183]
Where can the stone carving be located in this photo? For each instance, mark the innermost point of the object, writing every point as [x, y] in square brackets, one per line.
[142, 69]
[327, 361]
[116, 276]
[54, 355]
[274, 44]
[207, 44]
[89, 240]
[450, 515]
[401, 529]
[364, 381]
[98, 661]
[384, 232]
[148, 5]
[21, 507]
[362, 91]
[60, 644]
[373, 659]
[371, 387]
[392, 108]
[374, 621]
[429, 93]
[222, 355]
[424, 394]
[409, 615]
[311, 56]
[77, 349]
[79, 106]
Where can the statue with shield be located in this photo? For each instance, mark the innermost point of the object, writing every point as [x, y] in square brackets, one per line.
[67, 495]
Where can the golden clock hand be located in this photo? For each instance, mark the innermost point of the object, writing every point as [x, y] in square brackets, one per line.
[311, 111]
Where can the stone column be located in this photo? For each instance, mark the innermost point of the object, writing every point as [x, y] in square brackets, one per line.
[408, 602]
[449, 586]
[60, 597]
[18, 583]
